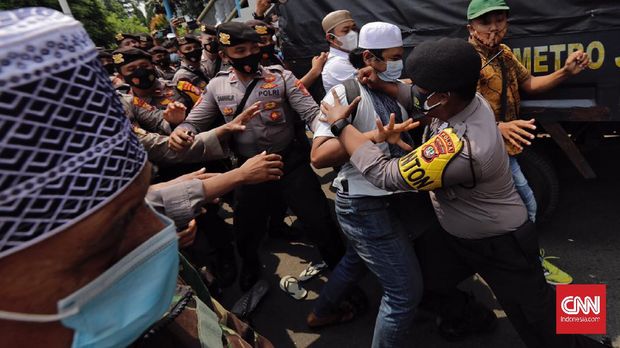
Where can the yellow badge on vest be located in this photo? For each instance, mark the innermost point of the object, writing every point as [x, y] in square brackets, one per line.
[423, 167]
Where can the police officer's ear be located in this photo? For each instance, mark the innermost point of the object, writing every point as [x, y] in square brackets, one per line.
[222, 53]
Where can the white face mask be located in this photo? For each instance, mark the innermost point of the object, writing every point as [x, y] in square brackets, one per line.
[349, 41]
[393, 71]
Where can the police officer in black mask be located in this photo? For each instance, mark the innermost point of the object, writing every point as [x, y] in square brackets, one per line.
[161, 60]
[190, 51]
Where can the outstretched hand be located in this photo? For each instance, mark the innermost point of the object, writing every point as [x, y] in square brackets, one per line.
[333, 113]
[391, 133]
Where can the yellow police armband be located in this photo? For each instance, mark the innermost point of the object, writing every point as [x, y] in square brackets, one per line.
[423, 168]
[189, 89]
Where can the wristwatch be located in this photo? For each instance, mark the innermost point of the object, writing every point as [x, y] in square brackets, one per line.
[338, 126]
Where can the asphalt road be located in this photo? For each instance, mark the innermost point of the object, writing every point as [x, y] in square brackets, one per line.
[584, 232]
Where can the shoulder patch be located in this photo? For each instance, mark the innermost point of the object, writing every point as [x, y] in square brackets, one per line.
[142, 104]
[299, 85]
[189, 89]
[423, 168]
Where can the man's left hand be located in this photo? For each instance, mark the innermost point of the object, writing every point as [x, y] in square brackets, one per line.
[333, 113]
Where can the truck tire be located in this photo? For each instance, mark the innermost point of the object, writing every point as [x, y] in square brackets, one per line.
[543, 180]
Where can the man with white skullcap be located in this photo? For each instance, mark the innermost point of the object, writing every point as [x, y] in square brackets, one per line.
[84, 261]
[341, 34]
[373, 226]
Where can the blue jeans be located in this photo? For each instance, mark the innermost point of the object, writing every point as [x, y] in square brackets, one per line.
[524, 190]
[378, 242]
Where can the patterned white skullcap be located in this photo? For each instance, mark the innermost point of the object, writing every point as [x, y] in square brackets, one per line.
[380, 35]
[66, 147]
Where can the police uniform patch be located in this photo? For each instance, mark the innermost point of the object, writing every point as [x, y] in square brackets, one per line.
[301, 87]
[268, 85]
[142, 104]
[275, 115]
[270, 78]
[227, 111]
[423, 168]
[270, 105]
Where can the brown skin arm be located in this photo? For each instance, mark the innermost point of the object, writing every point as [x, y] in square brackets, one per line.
[327, 152]
[575, 63]
[318, 62]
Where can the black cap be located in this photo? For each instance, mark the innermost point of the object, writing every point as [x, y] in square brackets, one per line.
[124, 56]
[208, 29]
[122, 36]
[145, 37]
[445, 65]
[103, 53]
[260, 27]
[158, 49]
[235, 33]
[187, 39]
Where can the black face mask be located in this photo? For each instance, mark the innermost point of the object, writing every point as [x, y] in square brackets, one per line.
[194, 56]
[110, 68]
[141, 78]
[267, 52]
[211, 47]
[247, 65]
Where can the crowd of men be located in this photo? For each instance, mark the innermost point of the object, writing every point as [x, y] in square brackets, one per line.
[115, 165]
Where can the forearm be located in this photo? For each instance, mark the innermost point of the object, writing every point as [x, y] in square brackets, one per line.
[219, 185]
[328, 152]
[310, 77]
[540, 84]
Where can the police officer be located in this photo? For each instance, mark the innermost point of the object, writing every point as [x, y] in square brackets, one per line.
[282, 97]
[484, 223]
[145, 42]
[268, 52]
[211, 60]
[191, 71]
[161, 60]
[127, 40]
[149, 93]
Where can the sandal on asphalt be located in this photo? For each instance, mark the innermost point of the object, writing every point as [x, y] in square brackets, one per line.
[291, 286]
[312, 271]
[250, 300]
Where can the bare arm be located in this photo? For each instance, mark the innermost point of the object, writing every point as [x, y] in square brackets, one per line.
[327, 152]
[314, 73]
[575, 63]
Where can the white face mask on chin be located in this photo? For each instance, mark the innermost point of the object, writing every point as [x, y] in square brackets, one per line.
[349, 41]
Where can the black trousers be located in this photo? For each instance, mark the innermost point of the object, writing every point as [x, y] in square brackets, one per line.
[510, 265]
[300, 190]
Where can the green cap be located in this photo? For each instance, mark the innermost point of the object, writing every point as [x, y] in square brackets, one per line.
[479, 7]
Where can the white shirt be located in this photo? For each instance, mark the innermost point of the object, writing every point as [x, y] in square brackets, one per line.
[337, 69]
[364, 121]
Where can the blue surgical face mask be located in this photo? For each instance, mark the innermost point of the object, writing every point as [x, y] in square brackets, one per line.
[174, 58]
[115, 308]
[393, 71]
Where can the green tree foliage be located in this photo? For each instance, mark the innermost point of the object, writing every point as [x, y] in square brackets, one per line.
[102, 19]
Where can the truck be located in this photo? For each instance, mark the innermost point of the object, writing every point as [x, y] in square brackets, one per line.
[576, 116]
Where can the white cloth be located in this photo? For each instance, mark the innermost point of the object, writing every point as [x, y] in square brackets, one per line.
[380, 35]
[337, 69]
[364, 121]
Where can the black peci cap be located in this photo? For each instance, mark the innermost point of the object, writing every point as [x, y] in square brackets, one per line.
[124, 56]
[235, 33]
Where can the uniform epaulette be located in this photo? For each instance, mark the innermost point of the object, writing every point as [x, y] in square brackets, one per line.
[142, 104]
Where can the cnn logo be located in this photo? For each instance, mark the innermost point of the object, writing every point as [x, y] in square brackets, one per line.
[576, 304]
[581, 309]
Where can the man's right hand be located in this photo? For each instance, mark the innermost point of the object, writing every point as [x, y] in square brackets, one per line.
[516, 132]
[180, 139]
[175, 113]
[261, 168]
